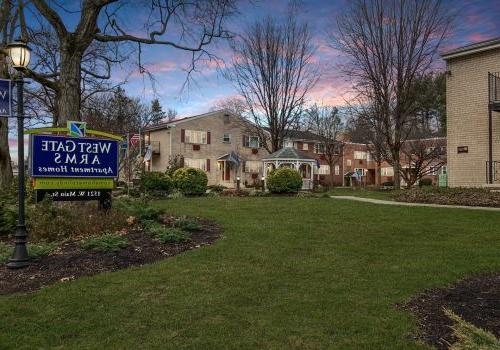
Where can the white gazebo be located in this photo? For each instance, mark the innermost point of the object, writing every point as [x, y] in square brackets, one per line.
[295, 159]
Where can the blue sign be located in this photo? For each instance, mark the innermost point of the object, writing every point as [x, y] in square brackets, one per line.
[63, 156]
[5, 98]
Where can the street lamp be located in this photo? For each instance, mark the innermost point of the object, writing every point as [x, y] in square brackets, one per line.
[19, 54]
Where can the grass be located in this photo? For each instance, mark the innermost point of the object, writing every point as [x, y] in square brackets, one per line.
[362, 192]
[289, 273]
[471, 337]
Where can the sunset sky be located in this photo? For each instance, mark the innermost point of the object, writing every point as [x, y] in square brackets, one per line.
[477, 20]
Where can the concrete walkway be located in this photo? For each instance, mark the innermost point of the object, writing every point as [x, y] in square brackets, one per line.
[405, 204]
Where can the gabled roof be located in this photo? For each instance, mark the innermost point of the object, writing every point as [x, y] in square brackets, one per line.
[472, 48]
[302, 135]
[169, 124]
[288, 153]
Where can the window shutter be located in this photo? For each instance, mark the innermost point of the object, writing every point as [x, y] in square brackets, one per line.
[208, 164]
[244, 164]
[208, 137]
[245, 141]
[183, 135]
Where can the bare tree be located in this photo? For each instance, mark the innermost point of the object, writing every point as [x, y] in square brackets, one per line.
[235, 105]
[325, 121]
[422, 157]
[273, 71]
[192, 27]
[390, 44]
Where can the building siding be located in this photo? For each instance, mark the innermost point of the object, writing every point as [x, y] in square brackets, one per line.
[467, 118]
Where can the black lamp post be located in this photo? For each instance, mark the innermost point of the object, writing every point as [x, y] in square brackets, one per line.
[19, 54]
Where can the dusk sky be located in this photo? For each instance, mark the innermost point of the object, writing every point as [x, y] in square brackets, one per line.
[477, 20]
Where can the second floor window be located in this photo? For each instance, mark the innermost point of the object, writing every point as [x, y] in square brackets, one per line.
[251, 141]
[359, 155]
[349, 162]
[305, 146]
[323, 170]
[226, 138]
[194, 136]
[319, 148]
[288, 143]
[387, 171]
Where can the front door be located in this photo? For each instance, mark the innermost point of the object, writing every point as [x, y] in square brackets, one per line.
[227, 171]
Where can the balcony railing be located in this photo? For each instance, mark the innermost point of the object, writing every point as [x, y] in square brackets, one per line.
[494, 87]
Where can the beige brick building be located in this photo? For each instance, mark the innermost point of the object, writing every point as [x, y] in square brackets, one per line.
[473, 115]
[219, 143]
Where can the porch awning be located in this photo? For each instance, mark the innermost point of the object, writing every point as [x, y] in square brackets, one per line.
[230, 157]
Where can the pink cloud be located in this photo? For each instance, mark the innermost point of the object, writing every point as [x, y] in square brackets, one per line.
[474, 37]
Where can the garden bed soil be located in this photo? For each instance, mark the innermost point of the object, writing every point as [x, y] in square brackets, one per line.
[476, 300]
[70, 261]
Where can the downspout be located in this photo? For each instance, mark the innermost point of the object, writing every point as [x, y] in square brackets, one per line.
[490, 146]
[343, 160]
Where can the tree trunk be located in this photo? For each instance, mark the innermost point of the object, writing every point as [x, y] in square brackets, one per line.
[68, 107]
[397, 175]
[5, 161]
[378, 174]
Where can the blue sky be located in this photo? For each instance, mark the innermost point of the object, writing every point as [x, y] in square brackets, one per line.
[476, 20]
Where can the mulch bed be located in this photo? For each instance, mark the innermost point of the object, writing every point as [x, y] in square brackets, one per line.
[475, 299]
[70, 261]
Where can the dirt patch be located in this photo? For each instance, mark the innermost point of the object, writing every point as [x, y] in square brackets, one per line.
[475, 299]
[70, 261]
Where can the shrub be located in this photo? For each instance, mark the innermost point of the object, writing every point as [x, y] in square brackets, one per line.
[140, 209]
[108, 242]
[425, 182]
[54, 221]
[388, 184]
[190, 181]
[168, 234]
[216, 188]
[176, 194]
[35, 251]
[155, 181]
[284, 180]
[451, 196]
[8, 214]
[188, 224]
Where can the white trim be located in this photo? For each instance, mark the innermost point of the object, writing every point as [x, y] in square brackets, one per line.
[466, 52]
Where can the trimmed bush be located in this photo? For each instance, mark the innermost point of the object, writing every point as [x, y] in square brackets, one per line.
[284, 180]
[452, 196]
[425, 182]
[190, 181]
[388, 184]
[153, 181]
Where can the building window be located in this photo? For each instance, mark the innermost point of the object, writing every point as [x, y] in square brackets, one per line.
[226, 138]
[251, 141]
[195, 163]
[337, 170]
[349, 162]
[359, 155]
[323, 170]
[288, 143]
[305, 146]
[253, 166]
[319, 148]
[444, 170]
[387, 171]
[194, 136]
[360, 171]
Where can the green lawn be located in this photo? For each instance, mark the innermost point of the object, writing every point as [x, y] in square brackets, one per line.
[290, 273]
[361, 192]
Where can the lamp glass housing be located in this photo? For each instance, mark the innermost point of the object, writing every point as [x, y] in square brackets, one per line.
[19, 54]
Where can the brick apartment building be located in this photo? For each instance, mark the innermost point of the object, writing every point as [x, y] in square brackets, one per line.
[473, 114]
[223, 145]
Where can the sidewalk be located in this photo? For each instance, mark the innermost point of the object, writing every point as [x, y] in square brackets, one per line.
[405, 204]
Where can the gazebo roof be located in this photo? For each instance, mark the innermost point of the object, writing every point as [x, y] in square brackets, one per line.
[289, 153]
